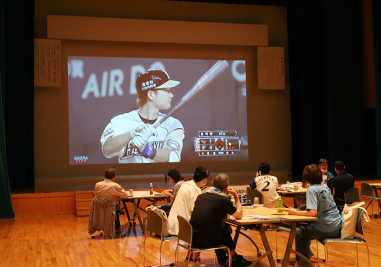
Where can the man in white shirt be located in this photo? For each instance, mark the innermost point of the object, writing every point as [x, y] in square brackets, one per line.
[267, 185]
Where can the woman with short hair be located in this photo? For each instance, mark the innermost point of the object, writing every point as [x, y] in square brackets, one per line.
[320, 204]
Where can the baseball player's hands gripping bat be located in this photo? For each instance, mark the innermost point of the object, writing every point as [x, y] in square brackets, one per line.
[217, 69]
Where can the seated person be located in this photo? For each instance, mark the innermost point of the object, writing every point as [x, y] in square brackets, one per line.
[340, 183]
[323, 165]
[267, 185]
[175, 178]
[320, 204]
[207, 218]
[109, 188]
[185, 198]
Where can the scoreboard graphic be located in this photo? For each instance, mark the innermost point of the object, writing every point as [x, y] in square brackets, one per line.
[217, 143]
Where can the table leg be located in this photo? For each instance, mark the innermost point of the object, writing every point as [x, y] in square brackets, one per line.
[269, 252]
[136, 206]
[238, 232]
[126, 210]
[236, 235]
[289, 248]
[290, 241]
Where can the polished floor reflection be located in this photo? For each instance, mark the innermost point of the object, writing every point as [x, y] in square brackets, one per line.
[62, 240]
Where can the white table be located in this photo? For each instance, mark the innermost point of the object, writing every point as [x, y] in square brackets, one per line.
[285, 220]
[295, 194]
[135, 200]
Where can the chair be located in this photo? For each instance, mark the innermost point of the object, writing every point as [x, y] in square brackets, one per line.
[252, 193]
[352, 195]
[367, 191]
[154, 224]
[102, 216]
[185, 236]
[356, 240]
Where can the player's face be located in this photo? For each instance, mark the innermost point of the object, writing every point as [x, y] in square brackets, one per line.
[163, 98]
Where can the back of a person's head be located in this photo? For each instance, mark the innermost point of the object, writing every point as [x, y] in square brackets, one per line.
[264, 168]
[321, 161]
[312, 174]
[175, 174]
[221, 181]
[339, 165]
[200, 173]
[110, 173]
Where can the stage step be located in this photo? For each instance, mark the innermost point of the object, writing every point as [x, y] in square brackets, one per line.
[83, 203]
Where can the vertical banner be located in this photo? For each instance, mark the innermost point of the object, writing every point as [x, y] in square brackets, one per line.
[47, 62]
[271, 74]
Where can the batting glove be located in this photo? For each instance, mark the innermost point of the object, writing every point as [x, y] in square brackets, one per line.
[144, 130]
[144, 148]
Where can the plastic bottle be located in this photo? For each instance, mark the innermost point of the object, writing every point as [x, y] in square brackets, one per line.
[280, 204]
[151, 189]
[233, 200]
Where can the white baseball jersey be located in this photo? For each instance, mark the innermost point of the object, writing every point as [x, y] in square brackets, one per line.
[170, 135]
[267, 185]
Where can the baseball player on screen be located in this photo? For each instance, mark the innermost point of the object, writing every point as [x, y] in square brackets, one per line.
[132, 137]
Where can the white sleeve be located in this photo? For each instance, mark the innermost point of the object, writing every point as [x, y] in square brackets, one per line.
[174, 142]
[118, 125]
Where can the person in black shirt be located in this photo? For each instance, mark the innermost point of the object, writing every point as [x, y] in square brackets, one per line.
[207, 219]
[341, 183]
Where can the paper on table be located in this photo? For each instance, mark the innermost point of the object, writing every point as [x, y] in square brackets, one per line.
[291, 185]
[254, 216]
[257, 217]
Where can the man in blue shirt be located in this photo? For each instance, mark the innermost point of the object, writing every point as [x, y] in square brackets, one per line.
[323, 165]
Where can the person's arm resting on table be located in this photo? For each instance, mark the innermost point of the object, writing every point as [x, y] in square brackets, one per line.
[309, 213]
[121, 193]
[238, 214]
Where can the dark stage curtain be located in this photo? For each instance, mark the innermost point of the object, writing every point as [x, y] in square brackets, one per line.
[376, 9]
[17, 89]
[6, 210]
[327, 114]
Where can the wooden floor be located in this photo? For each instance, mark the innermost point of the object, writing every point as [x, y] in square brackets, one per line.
[62, 240]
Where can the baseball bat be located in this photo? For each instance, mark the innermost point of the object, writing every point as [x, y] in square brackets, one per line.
[217, 69]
